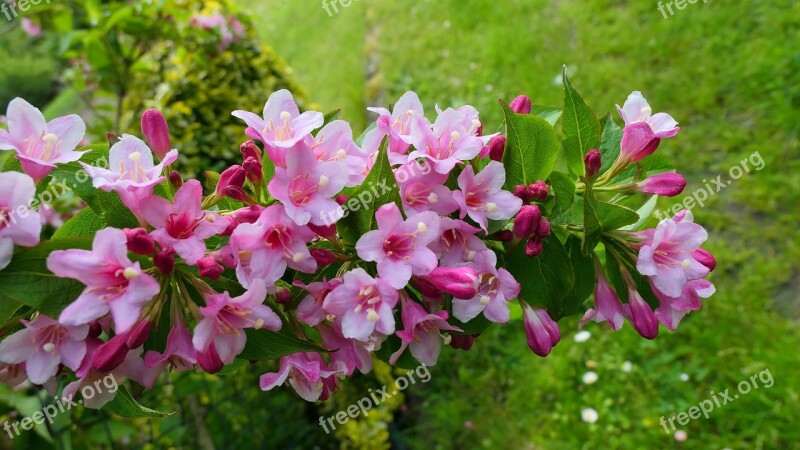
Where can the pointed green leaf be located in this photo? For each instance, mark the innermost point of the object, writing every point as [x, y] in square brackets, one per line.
[124, 405]
[531, 148]
[580, 126]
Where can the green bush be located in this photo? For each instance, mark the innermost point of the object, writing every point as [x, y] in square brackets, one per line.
[28, 69]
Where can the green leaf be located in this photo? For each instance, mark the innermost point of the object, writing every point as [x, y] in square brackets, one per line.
[268, 345]
[580, 126]
[378, 189]
[27, 281]
[585, 278]
[644, 213]
[390, 346]
[610, 142]
[84, 224]
[564, 187]
[124, 405]
[547, 279]
[599, 217]
[549, 113]
[531, 148]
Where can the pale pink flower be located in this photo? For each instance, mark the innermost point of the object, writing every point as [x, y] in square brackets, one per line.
[496, 287]
[671, 310]
[457, 243]
[445, 143]
[482, 196]
[364, 304]
[424, 191]
[309, 310]
[397, 126]
[636, 110]
[307, 373]
[333, 143]
[347, 355]
[179, 352]
[422, 332]
[18, 223]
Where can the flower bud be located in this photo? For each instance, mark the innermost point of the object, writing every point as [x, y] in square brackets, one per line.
[504, 235]
[139, 241]
[137, 335]
[429, 292]
[232, 176]
[238, 194]
[640, 315]
[175, 179]
[534, 247]
[668, 184]
[156, 131]
[323, 257]
[248, 214]
[705, 258]
[523, 193]
[208, 267]
[543, 230]
[210, 360]
[111, 354]
[249, 149]
[638, 141]
[253, 170]
[283, 295]
[593, 161]
[542, 331]
[539, 191]
[326, 231]
[460, 282]
[463, 341]
[521, 105]
[341, 199]
[527, 221]
[497, 146]
[165, 261]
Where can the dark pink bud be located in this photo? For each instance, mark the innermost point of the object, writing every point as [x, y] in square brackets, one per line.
[139, 241]
[497, 146]
[542, 331]
[156, 131]
[527, 221]
[226, 257]
[543, 230]
[667, 184]
[238, 194]
[283, 295]
[253, 170]
[705, 258]
[640, 315]
[533, 247]
[175, 179]
[232, 176]
[326, 231]
[462, 341]
[341, 199]
[95, 329]
[165, 261]
[208, 267]
[504, 235]
[249, 214]
[539, 191]
[323, 257]
[138, 334]
[523, 193]
[460, 282]
[210, 360]
[111, 354]
[593, 161]
[521, 105]
[638, 141]
[250, 150]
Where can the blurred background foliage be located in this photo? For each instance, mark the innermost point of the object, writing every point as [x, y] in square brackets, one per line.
[728, 71]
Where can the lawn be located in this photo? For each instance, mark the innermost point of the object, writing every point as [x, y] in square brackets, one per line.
[729, 72]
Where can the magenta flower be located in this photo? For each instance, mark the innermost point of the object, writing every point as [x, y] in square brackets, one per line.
[666, 254]
[482, 196]
[265, 248]
[460, 282]
[364, 303]
[445, 143]
[607, 307]
[39, 144]
[671, 310]
[398, 246]
[638, 142]
[397, 126]
[334, 142]
[668, 184]
[640, 315]
[310, 311]
[306, 187]
[225, 319]
[457, 243]
[113, 282]
[542, 331]
[307, 373]
[182, 225]
[282, 125]
[132, 172]
[180, 352]
[637, 110]
[18, 223]
[496, 287]
[422, 333]
[44, 344]
[424, 191]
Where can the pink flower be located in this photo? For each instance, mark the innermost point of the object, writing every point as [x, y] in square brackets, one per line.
[39, 144]
[666, 256]
[44, 344]
[668, 184]
[307, 373]
[364, 303]
[640, 315]
[31, 28]
[335, 143]
[445, 143]
[265, 248]
[495, 288]
[310, 311]
[422, 332]
[131, 173]
[638, 142]
[460, 282]
[306, 187]
[397, 126]
[424, 191]
[225, 319]
[482, 196]
[282, 125]
[607, 307]
[637, 110]
[542, 331]
[18, 224]
[457, 243]
[182, 225]
[113, 282]
[398, 246]
[671, 310]
[347, 355]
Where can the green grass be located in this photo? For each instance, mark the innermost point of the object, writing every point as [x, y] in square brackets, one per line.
[729, 72]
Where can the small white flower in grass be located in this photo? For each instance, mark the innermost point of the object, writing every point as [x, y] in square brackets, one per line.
[589, 415]
[627, 366]
[684, 377]
[681, 436]
[590, 377]
[582, 336]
